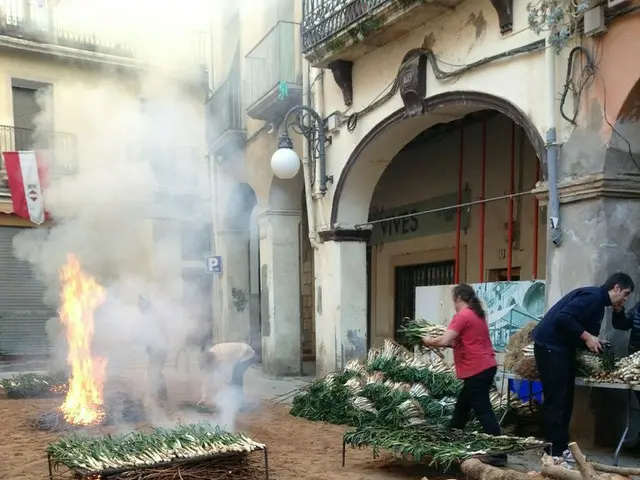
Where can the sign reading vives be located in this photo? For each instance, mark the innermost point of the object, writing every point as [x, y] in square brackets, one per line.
[414, 226]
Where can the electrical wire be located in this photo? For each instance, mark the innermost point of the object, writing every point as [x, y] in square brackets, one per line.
[586, 76]
[443, 209]
[393, 87]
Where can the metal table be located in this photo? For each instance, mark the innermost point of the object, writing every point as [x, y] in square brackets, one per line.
[583, 382]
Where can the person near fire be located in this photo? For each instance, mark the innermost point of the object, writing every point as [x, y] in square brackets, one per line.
[573, 322]
[154, 339]
[229, 360]
[475, 363]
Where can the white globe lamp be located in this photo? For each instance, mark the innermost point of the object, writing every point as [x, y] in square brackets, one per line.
[285, 163]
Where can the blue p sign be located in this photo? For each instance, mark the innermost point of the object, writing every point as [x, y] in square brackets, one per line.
[213, 264]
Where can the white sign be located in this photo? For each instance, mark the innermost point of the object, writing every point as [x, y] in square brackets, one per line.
[213, 264]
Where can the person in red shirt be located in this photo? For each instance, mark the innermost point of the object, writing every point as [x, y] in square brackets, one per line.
[475, 362]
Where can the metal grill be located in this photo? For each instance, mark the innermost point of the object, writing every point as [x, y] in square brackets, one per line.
[225, 106]
[63, 146]
[273, 61]
[324, 18]
[409, 277]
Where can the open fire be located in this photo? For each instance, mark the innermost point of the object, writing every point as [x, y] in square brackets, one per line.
[80, 296]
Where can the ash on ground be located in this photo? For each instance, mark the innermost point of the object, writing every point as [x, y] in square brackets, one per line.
[120, 408]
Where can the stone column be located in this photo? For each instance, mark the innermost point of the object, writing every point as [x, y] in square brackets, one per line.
[341, 299]
[599, 215]
[280, 292]
[233, 287]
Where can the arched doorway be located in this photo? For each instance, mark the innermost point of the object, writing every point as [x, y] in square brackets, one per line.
[281, 274]
[236, 320]
[448, 197]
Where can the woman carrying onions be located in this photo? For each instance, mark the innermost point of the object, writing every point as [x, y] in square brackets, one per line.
[475, 362]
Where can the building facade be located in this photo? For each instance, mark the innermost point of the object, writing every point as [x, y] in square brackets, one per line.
[464, 146]
[98, 99]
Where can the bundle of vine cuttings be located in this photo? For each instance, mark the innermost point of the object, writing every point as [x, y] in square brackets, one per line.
[142, 450]
[33, 385]
[442, 446]
[390, 388]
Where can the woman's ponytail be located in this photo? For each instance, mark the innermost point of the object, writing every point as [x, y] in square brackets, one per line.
[467, 294]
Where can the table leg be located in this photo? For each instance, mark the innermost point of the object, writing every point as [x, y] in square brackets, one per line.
[616, 455]
[506, 410]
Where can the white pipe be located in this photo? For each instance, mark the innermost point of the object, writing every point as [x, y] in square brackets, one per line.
[319, 107]
[306, 169]
[555, 232]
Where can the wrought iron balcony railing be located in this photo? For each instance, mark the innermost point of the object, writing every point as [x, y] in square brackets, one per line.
[225, 105]
[322, 19]
[273, 65]
[36, 21]
[175, 169]
[62, 146]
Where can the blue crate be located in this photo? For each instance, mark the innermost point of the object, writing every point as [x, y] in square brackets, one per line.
[525, 388]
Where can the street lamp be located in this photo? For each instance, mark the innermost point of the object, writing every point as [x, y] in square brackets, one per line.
[285, 162]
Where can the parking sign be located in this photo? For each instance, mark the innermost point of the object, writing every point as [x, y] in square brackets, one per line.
[213, 264]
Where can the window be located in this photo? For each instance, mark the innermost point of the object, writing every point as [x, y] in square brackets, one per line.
[408, 277]
[26, 110]
[500, 275]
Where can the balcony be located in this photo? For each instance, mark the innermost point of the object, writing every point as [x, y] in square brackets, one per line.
[349, 29]
[180, 190]
[226, 130]
[23, 22]
[63, 147]
[274, 74]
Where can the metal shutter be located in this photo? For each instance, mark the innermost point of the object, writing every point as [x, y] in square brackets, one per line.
[25, 111]
[23, 315]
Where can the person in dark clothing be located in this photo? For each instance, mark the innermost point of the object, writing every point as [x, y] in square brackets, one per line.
[573, 322]
[156, 346]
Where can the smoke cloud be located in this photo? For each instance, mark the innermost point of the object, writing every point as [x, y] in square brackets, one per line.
[138, 130]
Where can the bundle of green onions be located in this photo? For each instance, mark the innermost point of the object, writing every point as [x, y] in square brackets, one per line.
[32, 385]
[442, 446]
[588, 364]
[140, 449]
[414, 330]
[390, 388]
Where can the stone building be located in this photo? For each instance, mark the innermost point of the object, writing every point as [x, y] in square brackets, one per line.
[79, 86]
[460, 146]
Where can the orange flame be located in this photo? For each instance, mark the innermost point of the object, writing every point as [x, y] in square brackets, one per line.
[80, 296]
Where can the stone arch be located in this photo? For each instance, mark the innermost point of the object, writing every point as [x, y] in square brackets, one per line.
[624, 142]
[358, 178]
[240, 205]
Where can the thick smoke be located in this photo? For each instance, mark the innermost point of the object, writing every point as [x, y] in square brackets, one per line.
[134, 129]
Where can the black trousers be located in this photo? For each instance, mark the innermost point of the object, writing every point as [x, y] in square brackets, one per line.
[475, 396]
[557, 372]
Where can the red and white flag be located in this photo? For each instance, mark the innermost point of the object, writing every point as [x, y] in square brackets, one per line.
[26, 174]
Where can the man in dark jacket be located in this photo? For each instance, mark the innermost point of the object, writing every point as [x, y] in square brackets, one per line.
[571, 323]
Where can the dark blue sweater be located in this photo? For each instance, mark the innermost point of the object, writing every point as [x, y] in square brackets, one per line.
[578, 311]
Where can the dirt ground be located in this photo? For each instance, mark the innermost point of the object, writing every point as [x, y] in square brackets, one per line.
[298, 449]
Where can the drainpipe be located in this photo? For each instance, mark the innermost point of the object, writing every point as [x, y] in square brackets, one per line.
[319, 107]
[555, 233]
[306, 168]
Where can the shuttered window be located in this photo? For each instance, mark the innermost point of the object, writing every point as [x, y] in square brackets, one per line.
[23, 315]
[409, 277]
[25, 111]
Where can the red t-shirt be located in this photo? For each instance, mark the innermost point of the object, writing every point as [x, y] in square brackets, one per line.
[472, 348]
